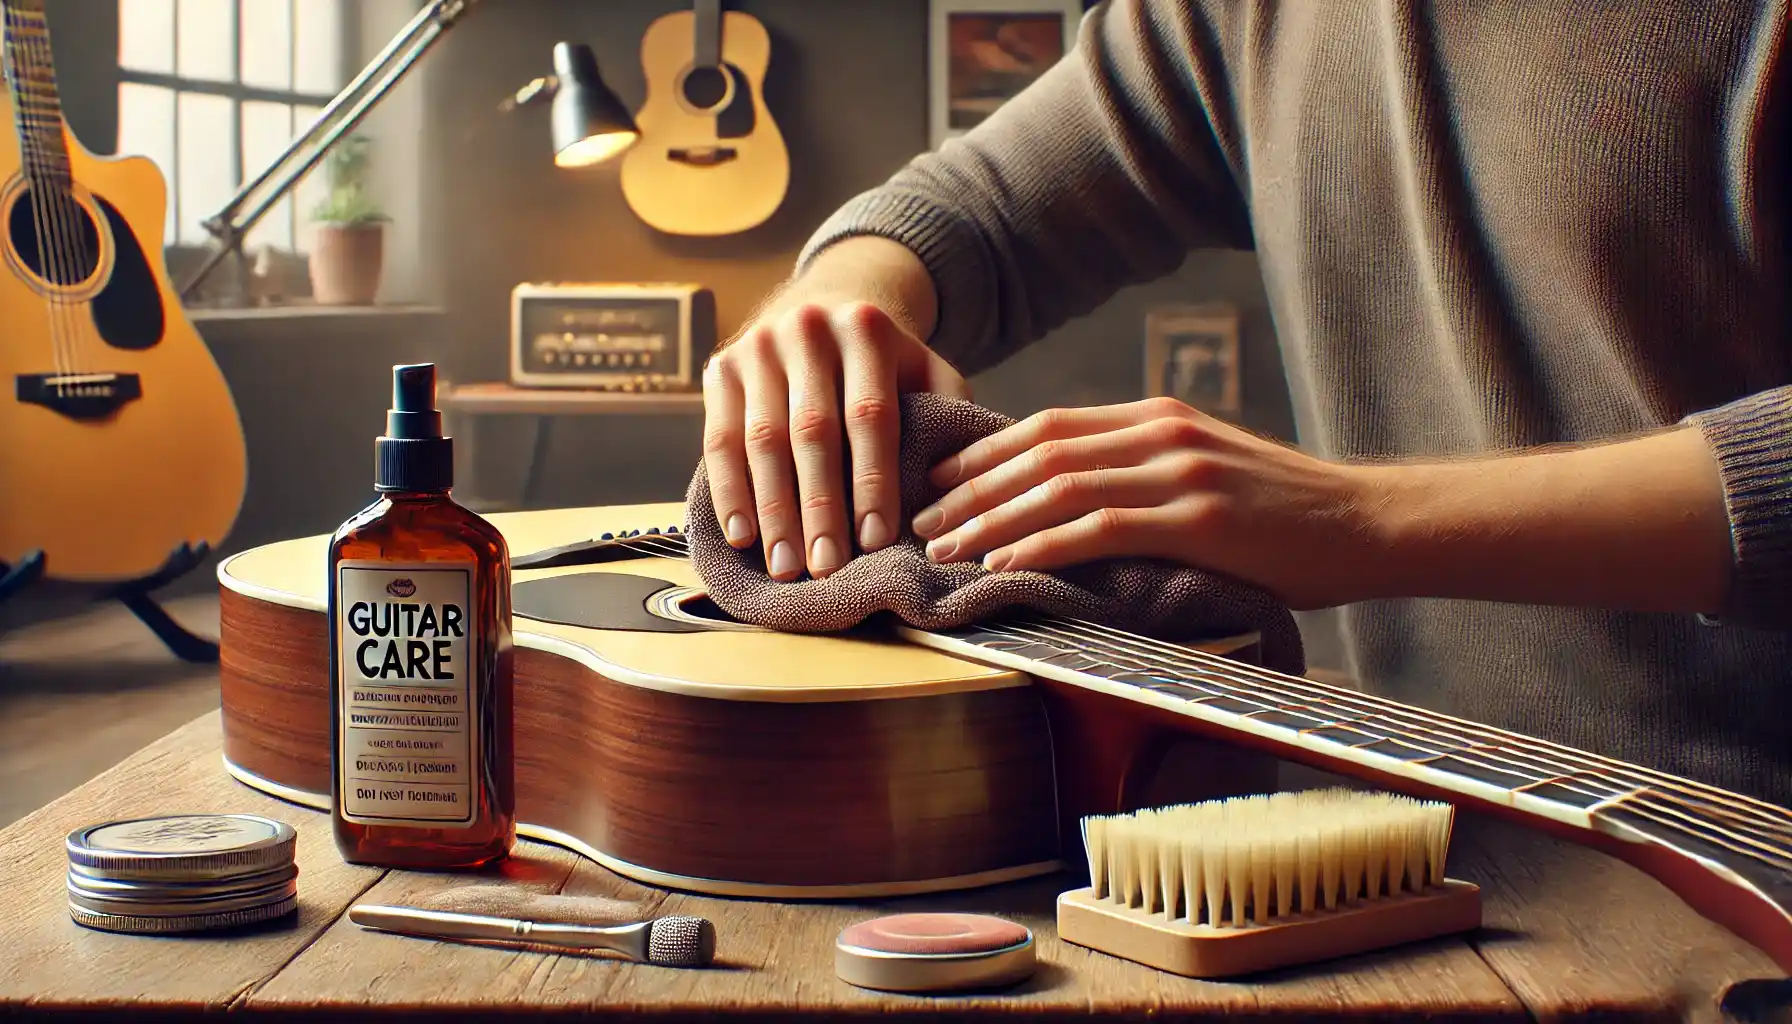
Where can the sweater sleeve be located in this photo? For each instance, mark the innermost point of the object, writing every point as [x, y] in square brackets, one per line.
[1103, 173]
[1752, 439]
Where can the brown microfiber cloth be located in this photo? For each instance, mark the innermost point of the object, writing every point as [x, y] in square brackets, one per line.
[1146, 596]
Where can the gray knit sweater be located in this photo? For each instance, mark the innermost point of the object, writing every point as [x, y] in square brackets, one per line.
[1482, 226]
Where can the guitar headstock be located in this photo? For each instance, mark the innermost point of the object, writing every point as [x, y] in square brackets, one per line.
[652, 542]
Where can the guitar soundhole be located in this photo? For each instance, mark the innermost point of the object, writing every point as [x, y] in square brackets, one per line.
[705, 88]
[54, 236]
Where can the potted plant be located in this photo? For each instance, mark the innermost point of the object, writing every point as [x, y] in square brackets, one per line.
[348, 250]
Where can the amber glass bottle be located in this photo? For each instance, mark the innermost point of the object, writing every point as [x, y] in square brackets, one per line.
[420, 655]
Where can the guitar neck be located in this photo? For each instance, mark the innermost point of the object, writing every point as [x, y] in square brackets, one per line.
[1727, 855]
[31, 82]
[706, 49]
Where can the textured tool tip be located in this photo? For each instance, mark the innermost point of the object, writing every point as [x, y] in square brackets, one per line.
[681, 942]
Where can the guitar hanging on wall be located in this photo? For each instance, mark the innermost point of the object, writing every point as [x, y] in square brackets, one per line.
[711, 161]
[121, 453]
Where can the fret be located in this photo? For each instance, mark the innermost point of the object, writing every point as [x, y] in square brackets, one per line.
[1344, 736]
[1485, 774]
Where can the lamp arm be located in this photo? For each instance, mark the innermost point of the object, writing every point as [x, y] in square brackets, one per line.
[229, 224]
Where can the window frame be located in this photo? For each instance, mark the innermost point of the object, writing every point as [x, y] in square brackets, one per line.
[234, 90]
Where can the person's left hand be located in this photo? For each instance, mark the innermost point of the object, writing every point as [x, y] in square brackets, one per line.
[1159, 479]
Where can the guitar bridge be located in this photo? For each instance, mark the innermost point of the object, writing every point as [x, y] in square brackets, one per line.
[702, 156]
[78, 396]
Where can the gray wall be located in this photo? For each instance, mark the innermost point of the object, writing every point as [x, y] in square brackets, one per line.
[848, 89]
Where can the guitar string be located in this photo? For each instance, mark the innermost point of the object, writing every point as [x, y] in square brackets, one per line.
[65, 237]
[34, 193]
[1767, 813]
[1767, 850]
[1646, 805]
[52, 253]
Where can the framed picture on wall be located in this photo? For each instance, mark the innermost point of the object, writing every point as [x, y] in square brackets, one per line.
[1191, 354]
[983, 52]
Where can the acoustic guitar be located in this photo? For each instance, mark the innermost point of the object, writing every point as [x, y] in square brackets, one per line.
[662, 739]
[120, 443]
[710, 161]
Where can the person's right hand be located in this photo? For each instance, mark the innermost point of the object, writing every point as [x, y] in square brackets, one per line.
[775, 402]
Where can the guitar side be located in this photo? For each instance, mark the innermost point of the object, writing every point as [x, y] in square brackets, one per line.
[734, 195]
[110, 493]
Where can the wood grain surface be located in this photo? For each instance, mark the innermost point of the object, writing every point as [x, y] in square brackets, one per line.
[1570, 934]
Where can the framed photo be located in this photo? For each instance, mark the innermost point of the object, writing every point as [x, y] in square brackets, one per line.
[983, 52]
[1191, 354]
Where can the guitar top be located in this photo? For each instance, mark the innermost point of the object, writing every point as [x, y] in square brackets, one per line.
[714, 658]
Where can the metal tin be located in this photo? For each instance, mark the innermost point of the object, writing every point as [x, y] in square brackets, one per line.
[190, 872]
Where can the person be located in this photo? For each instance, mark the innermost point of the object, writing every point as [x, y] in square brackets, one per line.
[1527, 263]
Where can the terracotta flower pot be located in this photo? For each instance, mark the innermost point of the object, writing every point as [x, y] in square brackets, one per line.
[346, 263]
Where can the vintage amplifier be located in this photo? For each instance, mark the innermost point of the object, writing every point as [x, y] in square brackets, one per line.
[624, 337]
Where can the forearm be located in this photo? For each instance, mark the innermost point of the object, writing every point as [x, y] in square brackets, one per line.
[1636, 525]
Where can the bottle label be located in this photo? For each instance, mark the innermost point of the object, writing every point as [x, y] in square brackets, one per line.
[409, 747]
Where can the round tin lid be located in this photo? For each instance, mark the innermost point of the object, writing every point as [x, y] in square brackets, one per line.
[182, 848]
[936, 952]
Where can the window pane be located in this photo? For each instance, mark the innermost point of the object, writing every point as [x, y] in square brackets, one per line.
[146, 128]
[314, 188]
[206, 156]
[317, 46]
[267, 128]
[146, 35]
[266, 34]
[203, 44]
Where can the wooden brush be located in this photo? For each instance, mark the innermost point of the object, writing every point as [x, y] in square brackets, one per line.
[1229, 887]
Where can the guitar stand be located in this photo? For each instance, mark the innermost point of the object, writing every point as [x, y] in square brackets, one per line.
[17, 577]
[135, 595]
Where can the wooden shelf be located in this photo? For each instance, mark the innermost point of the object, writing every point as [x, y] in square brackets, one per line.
[497, 397]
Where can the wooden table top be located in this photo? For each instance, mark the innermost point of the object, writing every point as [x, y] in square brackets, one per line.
[1568, 934]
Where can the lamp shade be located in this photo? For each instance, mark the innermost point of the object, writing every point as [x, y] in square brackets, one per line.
[590, 124]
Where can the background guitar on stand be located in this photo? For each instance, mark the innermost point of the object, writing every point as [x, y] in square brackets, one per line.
[122, 458]
[711, 160]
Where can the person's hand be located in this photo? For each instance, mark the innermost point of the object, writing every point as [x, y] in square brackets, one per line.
[1157, 479]
[812, 372]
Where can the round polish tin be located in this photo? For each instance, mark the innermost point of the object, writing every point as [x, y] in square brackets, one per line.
[182, 873]
[934, 953]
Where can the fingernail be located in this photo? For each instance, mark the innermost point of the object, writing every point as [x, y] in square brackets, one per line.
[995, 560]
[942, 549]
[946, 473]
[824, 554]
[873, 532]
[928, 521]
[737, 529]
[783, 559]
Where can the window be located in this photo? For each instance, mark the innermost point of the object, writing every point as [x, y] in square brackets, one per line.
[214, 90]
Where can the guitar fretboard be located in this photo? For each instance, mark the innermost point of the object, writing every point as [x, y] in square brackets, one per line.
[31, 83]
[1748, 838]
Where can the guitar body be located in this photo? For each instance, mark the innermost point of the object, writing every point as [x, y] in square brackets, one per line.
[696, 753]
[122, 440]
[710, 161]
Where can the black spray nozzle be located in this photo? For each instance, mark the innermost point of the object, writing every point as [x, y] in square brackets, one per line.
[413, 414]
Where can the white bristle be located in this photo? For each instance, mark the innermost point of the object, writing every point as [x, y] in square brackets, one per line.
[1253, 859]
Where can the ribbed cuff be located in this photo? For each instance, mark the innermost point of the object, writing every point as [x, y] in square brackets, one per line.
[1752, 439]
[948, 245]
